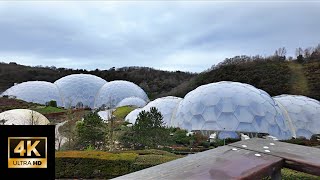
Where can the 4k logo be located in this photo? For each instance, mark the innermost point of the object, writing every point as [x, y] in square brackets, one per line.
[27, 152]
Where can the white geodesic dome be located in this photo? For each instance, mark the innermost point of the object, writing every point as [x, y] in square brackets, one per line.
[23, 117]
[166, 106]
[79, 90]
[132, 116]
[231, 106]
[132, 101]
[303, 112]
[115, 91]
[35, 91]
[106, 114]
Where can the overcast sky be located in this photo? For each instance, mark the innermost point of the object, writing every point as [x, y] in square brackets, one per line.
[188, 36]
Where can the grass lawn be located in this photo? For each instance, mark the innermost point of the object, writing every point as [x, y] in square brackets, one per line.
[48, 109]
[122, 112]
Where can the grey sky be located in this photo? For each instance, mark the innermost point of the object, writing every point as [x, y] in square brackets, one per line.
[188, 36]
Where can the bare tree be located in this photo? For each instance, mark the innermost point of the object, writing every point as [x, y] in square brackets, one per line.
[299, 52]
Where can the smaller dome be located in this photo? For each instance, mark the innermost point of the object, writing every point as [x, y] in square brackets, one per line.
[302, 113]
[113, 92]
[166, 106]
[35, 91]
[105, 115]
[132, 101]
[23, 117]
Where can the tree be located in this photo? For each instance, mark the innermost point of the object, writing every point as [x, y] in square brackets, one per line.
[281, 53]
[91, 131]
[148, 130]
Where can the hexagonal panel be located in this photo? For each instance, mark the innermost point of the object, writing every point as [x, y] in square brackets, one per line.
[228, 122]
[226, 105]
[261, 124]
[211, 113]
[243, 114]
[210, 99]
[197, 108]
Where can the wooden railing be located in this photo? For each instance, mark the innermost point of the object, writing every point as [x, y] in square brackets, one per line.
[249, 159]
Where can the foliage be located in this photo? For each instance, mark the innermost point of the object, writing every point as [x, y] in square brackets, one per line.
[105, 165]
[52, 103]
[288, 174]
[312, 73]
[90, 131]
[97, 155]
[8, 104]
[149, 130]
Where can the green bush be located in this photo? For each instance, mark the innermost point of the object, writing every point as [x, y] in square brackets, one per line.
[98, 164]
[93, 164]
[52, 103]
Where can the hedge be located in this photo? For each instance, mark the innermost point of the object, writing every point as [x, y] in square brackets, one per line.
[93, 164]
[98, 164]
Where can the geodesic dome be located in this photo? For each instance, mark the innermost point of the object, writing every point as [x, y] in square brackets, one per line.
[132, 101]
[166, 106]
[23, 117]
[132, 116]
[106, 114]
[231, 106]
[35, 91]
[115, 91]
[79, 90]
[302, 112]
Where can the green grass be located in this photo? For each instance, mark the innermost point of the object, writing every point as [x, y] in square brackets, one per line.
[122, 112]
[292, 174]
[48, 109]
[299, 82]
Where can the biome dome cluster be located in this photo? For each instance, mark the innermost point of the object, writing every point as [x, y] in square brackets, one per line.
[224, 107]
[230, 107]
[79, 90]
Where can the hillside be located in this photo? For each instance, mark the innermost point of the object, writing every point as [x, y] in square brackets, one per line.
[153, 81]
[275, 77]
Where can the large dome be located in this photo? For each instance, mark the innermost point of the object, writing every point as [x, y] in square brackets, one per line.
[35, 91]
[115, 91]
[79, 90]
[23, 117]
[132, 101]
[303, 112]
[231, 106]
[166, 106]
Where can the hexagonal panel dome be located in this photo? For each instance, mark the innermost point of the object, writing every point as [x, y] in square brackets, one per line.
[230, 106]
[303, 112]
[35, 91]
[132, 101]
[165, 105]
[79, 90]
[115, 91]
[132, 116]
[23, 117]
